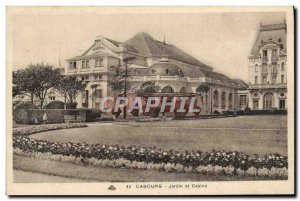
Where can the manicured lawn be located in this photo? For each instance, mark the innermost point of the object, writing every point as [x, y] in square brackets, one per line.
[250, 134]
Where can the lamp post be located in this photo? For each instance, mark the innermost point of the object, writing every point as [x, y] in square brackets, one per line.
[125, 60]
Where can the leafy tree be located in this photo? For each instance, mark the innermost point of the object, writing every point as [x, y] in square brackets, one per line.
[36, 80]
[16, 91]
[70, 87]
[147, 88]
[117, 81]
[202, 89]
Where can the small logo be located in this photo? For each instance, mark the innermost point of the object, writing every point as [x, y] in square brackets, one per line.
[112, 188]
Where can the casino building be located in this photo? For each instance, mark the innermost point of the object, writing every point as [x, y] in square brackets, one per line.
[268, 69]
[175, 71]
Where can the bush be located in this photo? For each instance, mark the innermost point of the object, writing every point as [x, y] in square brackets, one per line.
[92, 115]
[55, 105]
[216, 112]
[72, 106]
[261, 112]
[26, 105]
[229, 112]
[23, 116]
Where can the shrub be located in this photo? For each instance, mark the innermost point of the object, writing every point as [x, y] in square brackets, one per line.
[72, 105]
[23, 116]
[55, 105]
[92, 115]
[26, 105]
[216, 112]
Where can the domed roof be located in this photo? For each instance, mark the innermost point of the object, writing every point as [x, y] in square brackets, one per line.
[165, 68]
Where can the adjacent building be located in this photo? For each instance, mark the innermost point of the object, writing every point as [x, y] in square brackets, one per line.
[175, 71]
[268, 70]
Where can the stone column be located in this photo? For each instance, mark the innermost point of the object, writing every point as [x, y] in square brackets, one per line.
[260, 102]
[220, 99]
[250, 101]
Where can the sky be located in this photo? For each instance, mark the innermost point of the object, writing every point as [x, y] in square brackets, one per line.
[220, 40]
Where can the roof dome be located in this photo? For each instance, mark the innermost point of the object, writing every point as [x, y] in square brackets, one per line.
[165, 69]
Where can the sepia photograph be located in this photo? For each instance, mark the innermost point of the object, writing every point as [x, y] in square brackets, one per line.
[150, 100]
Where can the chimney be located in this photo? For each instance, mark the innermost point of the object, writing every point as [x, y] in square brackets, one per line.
[99, 38]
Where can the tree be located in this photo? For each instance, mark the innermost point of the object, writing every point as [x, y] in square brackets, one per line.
[23, 84]
[202, 89]
[117, 81]
[147, 88]
[36, 80]
[70, 87]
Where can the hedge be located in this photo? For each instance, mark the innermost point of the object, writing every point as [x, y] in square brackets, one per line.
[55, 105]
[262, 112]
[26, 105]
[46, 127]
[28, 116]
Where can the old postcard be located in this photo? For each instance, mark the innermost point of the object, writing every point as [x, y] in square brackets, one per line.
[150, 101]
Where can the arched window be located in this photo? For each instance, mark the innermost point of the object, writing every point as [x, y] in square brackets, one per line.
[183, 90]
[223, 99]
[230, 101]
[274, 68]
[167, 89]
[216, 99]
[268, 101]
[167, 71]
[282, 67]
[256, 68]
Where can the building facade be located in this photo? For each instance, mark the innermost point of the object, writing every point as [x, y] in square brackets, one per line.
[169, 67]
[268, 69]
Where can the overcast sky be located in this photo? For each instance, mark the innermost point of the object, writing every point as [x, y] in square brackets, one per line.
[220, 40]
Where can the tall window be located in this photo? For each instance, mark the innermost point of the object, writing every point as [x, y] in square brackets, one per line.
[72, 64]
[274, 68]
[282, 78]
[274, 79]
[264, 69]
[255, 104]
[265, 53]
[85, 63]
[264, 79]
[243, 101]
[223, 98]
[282, 104]
[274, 52]
[256, 80]
[167, 71]
[85, 98]
[268, 101]
[265, 56]
[230, 101]
[256, 68]
[99, 62]
[216, 99]
[282, 67]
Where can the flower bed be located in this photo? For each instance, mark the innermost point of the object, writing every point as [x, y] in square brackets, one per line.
[45, 127]
[215, 162]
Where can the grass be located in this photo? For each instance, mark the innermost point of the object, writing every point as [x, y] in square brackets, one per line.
[31, 170]
[250, 134]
